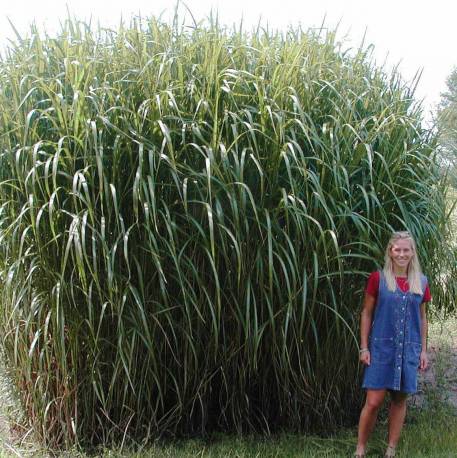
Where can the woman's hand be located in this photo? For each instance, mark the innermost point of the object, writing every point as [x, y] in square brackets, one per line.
[365, 357]
[423, 362]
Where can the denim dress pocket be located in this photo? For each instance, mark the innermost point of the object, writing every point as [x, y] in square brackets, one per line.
[413, 351]
[382, 350]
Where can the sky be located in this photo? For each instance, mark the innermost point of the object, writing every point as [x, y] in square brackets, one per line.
[418, 35]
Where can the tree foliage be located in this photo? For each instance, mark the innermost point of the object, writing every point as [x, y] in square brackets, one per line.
[447, 123]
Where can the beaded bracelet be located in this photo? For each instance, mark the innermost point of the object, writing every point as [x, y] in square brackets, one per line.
[363, 350]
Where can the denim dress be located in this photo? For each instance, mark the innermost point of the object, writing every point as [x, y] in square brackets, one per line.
[395, 340]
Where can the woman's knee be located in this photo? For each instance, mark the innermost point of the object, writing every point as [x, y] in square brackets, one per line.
[374, 400]
[373, 404]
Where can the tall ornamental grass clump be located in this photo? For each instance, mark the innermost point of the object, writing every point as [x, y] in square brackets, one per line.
[188, 215]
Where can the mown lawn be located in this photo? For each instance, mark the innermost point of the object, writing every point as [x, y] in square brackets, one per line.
[428, 433]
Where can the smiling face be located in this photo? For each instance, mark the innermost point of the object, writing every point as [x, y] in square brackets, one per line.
[401, 252]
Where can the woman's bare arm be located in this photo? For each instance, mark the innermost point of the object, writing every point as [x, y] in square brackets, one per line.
[424, 330]
[366, 318]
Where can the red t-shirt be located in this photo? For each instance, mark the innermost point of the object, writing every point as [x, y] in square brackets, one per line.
[402, 282]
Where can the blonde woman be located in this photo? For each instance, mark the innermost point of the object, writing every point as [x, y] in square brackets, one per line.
[393, 333]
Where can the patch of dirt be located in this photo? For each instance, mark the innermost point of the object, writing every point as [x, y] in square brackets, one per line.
[13, 437]
[5, 432]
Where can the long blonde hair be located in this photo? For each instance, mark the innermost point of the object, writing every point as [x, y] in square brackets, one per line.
[413, 270]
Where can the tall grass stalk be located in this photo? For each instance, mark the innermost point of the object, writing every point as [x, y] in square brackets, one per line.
[187, 219]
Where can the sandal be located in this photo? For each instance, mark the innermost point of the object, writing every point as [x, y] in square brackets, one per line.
[390, 452]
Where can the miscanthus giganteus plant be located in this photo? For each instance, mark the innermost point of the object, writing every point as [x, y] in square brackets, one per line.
[187, 219]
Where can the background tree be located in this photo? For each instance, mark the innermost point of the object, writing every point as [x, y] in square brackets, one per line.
[447, 123]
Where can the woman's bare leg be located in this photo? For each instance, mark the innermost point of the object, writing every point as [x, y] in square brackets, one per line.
[397, 413]
[368, 417]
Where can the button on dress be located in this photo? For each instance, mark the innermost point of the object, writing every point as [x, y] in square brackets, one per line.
[395, 340]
